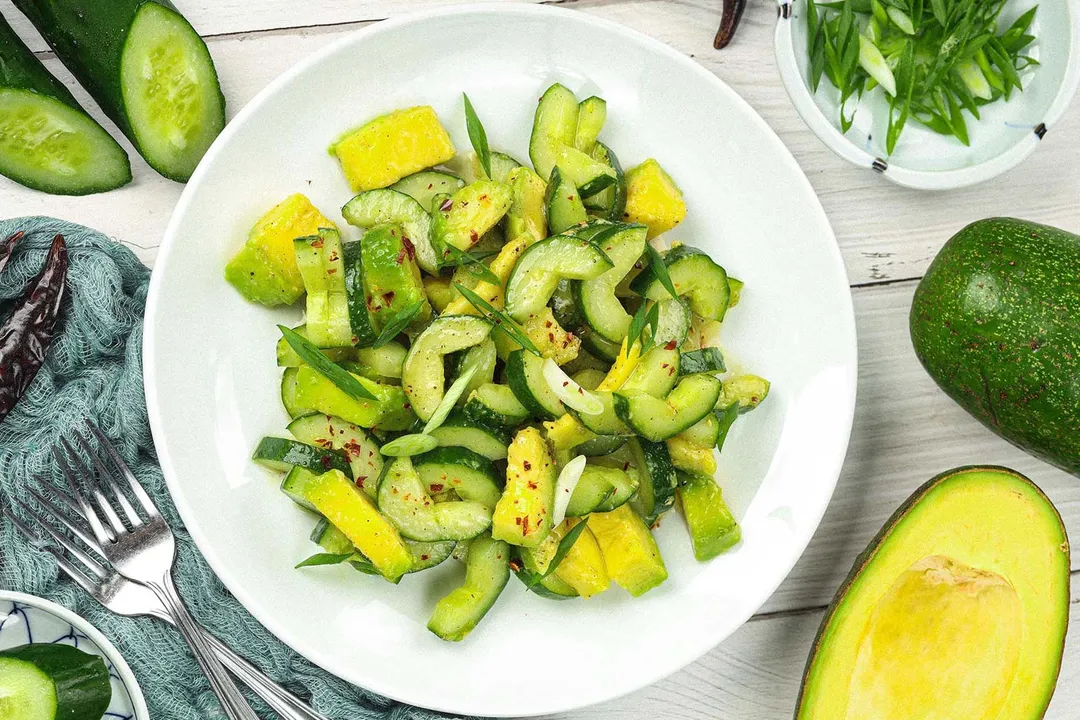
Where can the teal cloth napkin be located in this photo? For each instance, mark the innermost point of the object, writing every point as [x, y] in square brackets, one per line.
[94, 370]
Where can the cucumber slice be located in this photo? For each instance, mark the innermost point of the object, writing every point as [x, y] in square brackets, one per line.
[426, 184]
[487, 570]
[287, 357]
[695, 276]
[289, 391]
[385, 361]
[599, 446]
[592, 113]
[461, 220]
[706, 360]
[295, 484]
[611, 202]
[471, 475]
[492, 404]
[539, 269]
[361, 450]
[364, 333]
[673, 322]
[655, 419]
[600, 489]
[589, 176]
[746, 391]
[655, 373]
[565, 209]
[596, 301]
[525, 375]
[599, 346]
[704, 433]
[564, 307]
[501, 166]
[713, 528]
[554, 125]
[322, 266]
[528, 206]
[534, 563]
[52, 682]
[390, 411]
[480, 361]
[51, 145]
[423, 375]
[172, 102]
[404, 499]
[282, 454]
[589, 378]
[656, 489]
[391, 277]
[458, 430]
[387, 206]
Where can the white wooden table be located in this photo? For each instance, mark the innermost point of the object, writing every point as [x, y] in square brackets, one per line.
[905, 429]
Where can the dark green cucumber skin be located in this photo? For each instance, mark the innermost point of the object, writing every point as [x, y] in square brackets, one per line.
[88, 36]
[996, 323]
[364, 334]
[20, 69]
[83, 687]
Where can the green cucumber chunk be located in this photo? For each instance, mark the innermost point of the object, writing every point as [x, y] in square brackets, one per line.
[391, 276]
[564, 206]
[609, 203]
[329, 432]
[587, 174]
[459, 430]
[173, 104]
[695, 276]
[461, 220]
[536, 275]
[592, 114]
[596, 299]
[656, 491]
[713, 528]
[387, 206]
[525, 375]
[554, 125]
[423, 376]
[426, 184]
[600, 489]
[53, 682]
[322, 266]
[282, 454]
[655, 419]
[404, 499]
[471, 475]
[48, 145]
[496, 405]
[746, 391]
[487, 570]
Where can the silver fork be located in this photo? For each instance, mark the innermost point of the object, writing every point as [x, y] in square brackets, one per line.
[124, 597]
[144, 552]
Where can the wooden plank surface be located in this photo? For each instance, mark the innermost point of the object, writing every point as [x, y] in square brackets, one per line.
[905, 429]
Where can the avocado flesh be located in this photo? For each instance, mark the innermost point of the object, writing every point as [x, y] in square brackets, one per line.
[996, 323]
[958, 608]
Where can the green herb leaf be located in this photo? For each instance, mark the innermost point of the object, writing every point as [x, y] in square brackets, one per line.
[566, 545]
[408, 445]
[323, 559]
[637, 324]
[477, 135]
[472, 264]
[397, 324]
[317, 359]
[457, 389]
[727, 418]
[501, 320]
[659, 269]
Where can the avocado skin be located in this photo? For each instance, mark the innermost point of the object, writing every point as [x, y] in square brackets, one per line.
[996, 323]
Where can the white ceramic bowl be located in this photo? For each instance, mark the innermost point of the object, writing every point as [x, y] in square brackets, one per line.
[212, 387]
[28, 619]
[1007, 133]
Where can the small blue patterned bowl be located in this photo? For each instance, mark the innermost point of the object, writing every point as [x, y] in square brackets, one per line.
[27, 619]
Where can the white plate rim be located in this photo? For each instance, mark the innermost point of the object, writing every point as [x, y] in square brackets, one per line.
[845, 409]
[127, 677]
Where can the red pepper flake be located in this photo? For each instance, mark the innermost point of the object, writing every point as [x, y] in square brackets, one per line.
[446, 205]
[352, 449]
[474, 237]
[371, 303]
[436, 487]
[625, 466]
[532, 485]
[388, 297]
[517, 520]
[326, 462]
[317, 243]
[515, 566]
[525, 525]
[671, 345]
[664, 365]
[407, 406]
[425, 556]
[526, 464]
[483, 197]
[360, 480]
[565, 383]
[355, 340]
[547, 323]
[409, 247]
[430, 185]
[331, 271]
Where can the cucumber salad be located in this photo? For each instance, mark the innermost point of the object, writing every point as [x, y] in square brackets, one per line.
[512, 366]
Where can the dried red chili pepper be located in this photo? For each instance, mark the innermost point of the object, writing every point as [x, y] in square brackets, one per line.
[26, 335]
[729, 23]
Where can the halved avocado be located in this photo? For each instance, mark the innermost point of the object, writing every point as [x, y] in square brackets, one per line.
[957, 609]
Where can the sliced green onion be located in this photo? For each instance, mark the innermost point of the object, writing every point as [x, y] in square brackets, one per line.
[564, 488]
[477, 135]
[409, 445]
[501, 320]
[873, 62]
[974, 79]
[572, 394]
[900, 19]
[326, 367]
[457, 389]
[565, 545]
[323, 559]
[397, 324]
[659, 269]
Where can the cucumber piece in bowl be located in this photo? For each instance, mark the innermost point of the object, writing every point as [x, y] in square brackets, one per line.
[146, 67]
[48, 142]
[52, 682]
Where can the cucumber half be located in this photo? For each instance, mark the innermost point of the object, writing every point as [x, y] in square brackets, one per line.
[48, 145]
[47, 681]
[170, 91]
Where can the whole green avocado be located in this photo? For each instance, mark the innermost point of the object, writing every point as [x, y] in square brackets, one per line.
[996, 323]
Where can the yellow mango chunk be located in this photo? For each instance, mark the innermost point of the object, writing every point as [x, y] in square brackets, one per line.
[392, 146]
[352, 512]
[265, 269]
[690, 457]
[523, 514]
[501, 266]
[630, 553]
[583, 567]
[547, 335]
[653, 198]
[941, 643]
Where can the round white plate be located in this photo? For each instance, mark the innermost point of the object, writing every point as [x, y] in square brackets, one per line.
[26, 619]
[212, 386]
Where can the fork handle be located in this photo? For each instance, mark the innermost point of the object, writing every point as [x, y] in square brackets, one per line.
[232, 702]
[277, 698]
